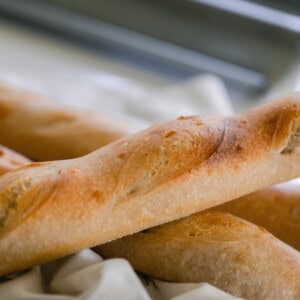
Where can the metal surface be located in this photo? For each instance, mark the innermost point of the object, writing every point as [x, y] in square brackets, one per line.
[258, 12]
[249, 46]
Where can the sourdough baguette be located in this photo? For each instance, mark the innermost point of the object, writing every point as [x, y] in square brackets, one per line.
[10, 160]
[276, 208]
[215, 247]
[35, 127]
[49, 210]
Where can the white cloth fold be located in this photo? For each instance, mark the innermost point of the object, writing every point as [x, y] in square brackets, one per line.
[86, 276]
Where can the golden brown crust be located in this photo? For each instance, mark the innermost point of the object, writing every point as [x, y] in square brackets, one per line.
[141, 181]
[10, 160]
[276, 208]
[38, 129]
[217, 248]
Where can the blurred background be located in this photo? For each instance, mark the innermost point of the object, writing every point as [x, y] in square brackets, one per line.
[99, 53]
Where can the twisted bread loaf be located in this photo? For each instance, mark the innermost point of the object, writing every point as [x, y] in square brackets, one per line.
[276, 208]
[10, 160]
[33, 126]
[218, 248]
[49, 210]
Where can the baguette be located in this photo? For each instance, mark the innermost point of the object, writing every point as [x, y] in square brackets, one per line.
[49, 210]
[276, 208]
[215, 247]
[35, 127]
[10, 160]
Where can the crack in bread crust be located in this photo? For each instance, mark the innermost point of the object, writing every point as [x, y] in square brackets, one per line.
[294, 140]
[9, 200]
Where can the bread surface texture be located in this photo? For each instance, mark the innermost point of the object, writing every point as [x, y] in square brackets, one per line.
[10, 160]
[276, 208]
[169, 171]
[37, 128]
[215, 247]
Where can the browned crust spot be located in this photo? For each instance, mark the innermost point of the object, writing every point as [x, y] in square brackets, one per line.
[169, 133]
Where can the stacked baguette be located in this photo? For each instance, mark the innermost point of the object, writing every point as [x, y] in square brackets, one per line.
[35, 127]
[162, 174]
[276, 208]
[218, 248]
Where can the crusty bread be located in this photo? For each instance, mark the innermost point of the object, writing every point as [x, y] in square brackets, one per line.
[48, 210]
[276, 208]
[10, 160]
[215, 247]
[35, 127]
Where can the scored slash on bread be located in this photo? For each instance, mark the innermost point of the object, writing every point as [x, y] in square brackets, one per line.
[215, 247]
[49, 210]
[37, 128]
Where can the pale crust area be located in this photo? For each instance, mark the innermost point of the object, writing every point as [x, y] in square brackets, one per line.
[10, 160]
[276, 208]
[169, 171]
[218, 248]
[35, 127]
